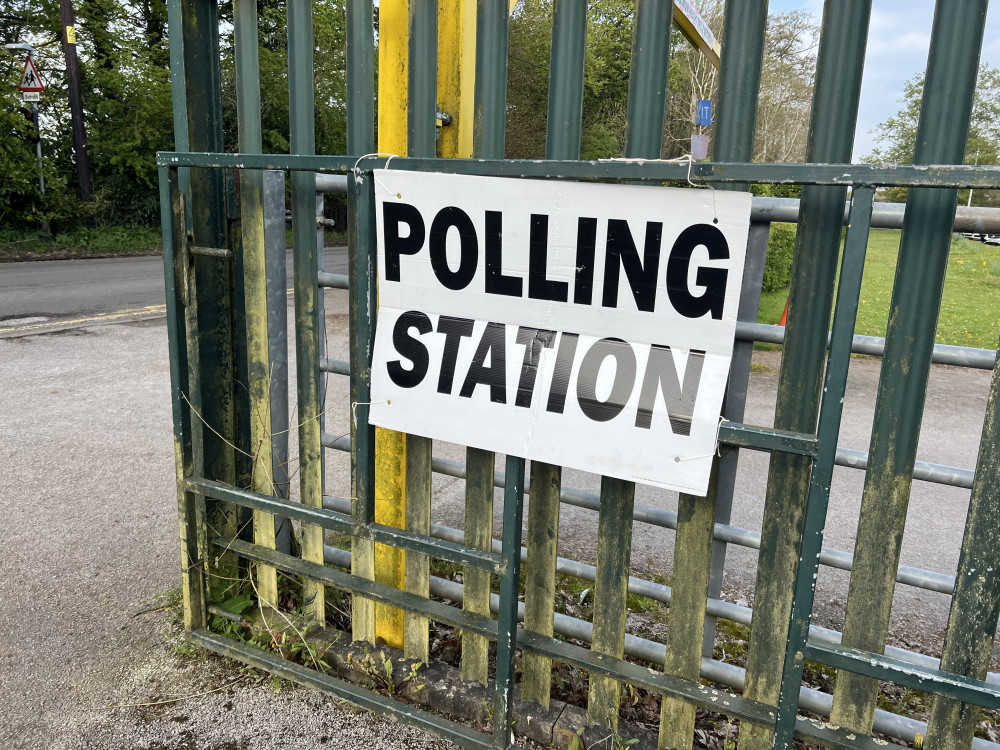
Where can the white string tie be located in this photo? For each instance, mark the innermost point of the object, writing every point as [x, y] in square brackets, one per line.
[716, 452]
[356, 404]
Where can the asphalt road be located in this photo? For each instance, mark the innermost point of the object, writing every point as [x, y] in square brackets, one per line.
[89, 518]
[39, 297]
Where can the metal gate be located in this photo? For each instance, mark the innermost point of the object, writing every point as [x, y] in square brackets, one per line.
[222, 375]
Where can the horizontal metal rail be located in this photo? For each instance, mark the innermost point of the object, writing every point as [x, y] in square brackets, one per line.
[653, 170]
[663, 593]
[904, 673]
[884, 215]
[333, 280]
[810, 699]
[944, 354]
[331, 183]
[834, 558]
[343, 523]
[335, 366]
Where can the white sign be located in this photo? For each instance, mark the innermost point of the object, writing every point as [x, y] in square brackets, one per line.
[30, 80]
[31, 96]
[585, 325]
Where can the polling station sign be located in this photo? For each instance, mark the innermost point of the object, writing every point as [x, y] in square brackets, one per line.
[585, 325]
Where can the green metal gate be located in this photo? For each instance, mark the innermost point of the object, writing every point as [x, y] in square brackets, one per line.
[221, 371]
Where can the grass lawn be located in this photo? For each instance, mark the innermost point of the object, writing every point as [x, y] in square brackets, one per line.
[79, 243]
[970, 310]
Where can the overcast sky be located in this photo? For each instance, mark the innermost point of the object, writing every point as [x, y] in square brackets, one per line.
[897, 50]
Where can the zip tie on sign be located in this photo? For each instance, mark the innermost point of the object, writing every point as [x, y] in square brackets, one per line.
[716, 452]
[357, 172]
[356, 404]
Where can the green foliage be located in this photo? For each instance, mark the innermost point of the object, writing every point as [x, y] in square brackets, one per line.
[124, 59]
[896, 137]
[778, 264]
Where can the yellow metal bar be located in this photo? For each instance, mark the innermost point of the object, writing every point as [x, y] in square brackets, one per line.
[456, 75]
[390, 446]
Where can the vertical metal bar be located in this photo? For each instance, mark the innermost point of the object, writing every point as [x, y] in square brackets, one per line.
[489, 108]
[739, 79]
[942, 132]
[835, 385]
[362, 290]
[308, 325]
[565, 112]
[975, 606]
[565, 119]
[648, 79]
[210, 314]
[361, 294]
[255, 284]
[416, 572]
[491, 79]
[831, 135]
[321, 314]
[172, 224]
[733, 410]
[456, 76]
[614, 550]
[510, 553]
[478, 534]
[277, 338]
[739, 84]
[178, 94]
[735, 122]
[360, 78]
[422, 82]
[203, 93]
[692, 547]
[540, 578]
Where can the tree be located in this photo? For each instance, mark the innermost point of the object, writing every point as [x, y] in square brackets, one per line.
[896, 136]
[786, 85]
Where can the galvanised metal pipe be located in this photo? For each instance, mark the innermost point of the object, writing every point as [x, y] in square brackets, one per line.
[894, 725]
[491, 79]
[565, 114]
[884, 215]
[648, 79]
[911, 576]
[945, 354]
[942, 133]
[333, 280]
[715, 607]
[337, 183]
[978, 219]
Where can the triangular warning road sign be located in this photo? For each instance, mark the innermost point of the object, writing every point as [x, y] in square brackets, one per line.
[30, 80]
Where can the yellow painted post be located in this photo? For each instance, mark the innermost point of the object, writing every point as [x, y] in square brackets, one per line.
[390, 446]
[456, 75]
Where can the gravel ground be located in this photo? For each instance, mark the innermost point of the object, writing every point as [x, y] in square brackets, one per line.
[90, 540]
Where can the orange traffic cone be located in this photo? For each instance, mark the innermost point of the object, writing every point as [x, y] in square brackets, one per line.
[784, 315]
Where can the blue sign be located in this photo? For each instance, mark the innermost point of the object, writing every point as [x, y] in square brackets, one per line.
[703, 113]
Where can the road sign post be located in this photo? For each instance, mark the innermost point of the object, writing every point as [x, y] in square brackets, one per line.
[31, 88]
